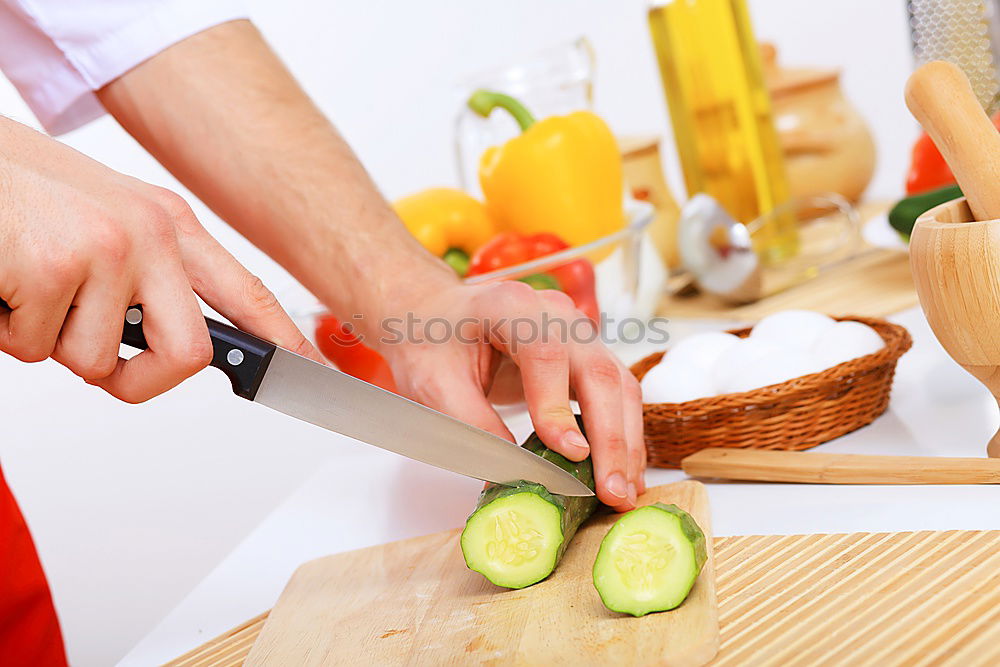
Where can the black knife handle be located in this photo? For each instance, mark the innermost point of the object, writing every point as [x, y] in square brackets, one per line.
[243, 357]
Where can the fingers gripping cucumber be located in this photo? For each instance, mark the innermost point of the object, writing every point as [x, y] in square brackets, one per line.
[517, 534]
[649, 560]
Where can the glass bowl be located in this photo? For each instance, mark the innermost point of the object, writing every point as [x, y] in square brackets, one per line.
[624, 290]
[625, 268]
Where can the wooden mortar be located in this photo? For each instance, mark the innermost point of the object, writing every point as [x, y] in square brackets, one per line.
[956, 269]
[955, 247]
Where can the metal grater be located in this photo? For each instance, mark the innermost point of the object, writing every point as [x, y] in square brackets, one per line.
[965, 32]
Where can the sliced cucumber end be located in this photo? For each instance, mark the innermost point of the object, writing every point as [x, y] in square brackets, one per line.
[647, 562]
[514, 541]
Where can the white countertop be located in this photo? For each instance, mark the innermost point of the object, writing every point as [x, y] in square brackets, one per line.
[363, 496]
[132, 506]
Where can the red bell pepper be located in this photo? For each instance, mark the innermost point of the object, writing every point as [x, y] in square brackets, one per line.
[576, 277]
[928, 170]
[338, 343]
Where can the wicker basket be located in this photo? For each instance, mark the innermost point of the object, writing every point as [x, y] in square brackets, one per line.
[797, 414]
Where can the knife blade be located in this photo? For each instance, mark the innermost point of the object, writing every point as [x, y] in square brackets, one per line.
[301, 388]
[351, 407]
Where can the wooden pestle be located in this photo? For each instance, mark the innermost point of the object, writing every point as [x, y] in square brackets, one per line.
[955, 247]
[941, 99]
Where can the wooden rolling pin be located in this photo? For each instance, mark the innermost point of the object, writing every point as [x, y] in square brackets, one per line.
[759, 465]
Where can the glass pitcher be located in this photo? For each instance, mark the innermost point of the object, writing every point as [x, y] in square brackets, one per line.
[555, 81]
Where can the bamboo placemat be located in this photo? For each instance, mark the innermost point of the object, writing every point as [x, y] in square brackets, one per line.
[921, 598]
[924, 598]
[228, 649]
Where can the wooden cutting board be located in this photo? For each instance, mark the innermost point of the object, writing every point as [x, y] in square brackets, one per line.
[415, 602]
[925, 598]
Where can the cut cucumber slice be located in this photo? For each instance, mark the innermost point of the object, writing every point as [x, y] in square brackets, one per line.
[649, 560]
[517, 533]
[514, 541]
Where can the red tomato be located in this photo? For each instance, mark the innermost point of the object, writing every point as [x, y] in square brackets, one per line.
[928, 170]
[576, 278]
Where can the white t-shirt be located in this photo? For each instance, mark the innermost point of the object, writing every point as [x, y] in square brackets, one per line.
[57, 52]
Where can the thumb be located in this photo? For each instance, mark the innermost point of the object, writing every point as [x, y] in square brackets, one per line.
[226, 285]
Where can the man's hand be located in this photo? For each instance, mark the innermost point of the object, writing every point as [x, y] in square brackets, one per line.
[80, 243]
[446, 350]
[224, 115]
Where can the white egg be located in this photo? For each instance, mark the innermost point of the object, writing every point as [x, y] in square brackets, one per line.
[739, 356]
[845, 341]
[770, 369]
[703, 349]
[794, 328]
[675, 381]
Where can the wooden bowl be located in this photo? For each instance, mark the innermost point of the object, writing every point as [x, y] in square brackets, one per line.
[955, 262]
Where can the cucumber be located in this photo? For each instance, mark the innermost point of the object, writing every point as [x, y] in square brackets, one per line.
[904, 214]
[649, 560]
[517, 533]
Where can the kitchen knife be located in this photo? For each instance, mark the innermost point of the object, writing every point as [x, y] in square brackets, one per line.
[284, 381]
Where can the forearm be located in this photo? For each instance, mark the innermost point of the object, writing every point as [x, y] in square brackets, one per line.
[221, 112]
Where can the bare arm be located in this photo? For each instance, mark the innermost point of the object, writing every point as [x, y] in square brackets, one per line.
[222, 113]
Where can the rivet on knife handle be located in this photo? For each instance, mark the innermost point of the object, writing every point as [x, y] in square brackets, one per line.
[241, 356]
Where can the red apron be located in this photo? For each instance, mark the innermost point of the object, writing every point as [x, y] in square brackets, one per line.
[29, 629]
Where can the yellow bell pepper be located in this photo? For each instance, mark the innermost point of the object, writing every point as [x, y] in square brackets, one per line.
[448, 222]
[563, 174]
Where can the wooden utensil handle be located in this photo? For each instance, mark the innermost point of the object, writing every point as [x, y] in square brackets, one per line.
[941, 99]
[811, 468]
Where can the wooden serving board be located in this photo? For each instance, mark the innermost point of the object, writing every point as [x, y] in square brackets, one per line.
[876, 283]
[415, 602]
[924, 598]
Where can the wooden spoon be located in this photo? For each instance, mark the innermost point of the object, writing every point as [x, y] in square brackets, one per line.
[759, 465]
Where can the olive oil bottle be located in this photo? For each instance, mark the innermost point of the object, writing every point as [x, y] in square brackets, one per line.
[720, 110]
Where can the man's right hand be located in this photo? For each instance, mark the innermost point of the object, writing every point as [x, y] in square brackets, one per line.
[80, 243]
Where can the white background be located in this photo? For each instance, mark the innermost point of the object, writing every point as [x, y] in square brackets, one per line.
[132, 506]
